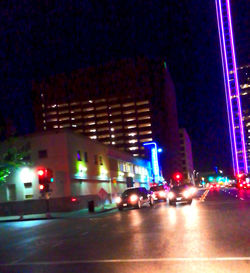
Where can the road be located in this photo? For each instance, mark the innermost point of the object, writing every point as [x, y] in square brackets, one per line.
[211, 235]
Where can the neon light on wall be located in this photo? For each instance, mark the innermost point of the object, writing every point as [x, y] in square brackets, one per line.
[154, 160]
[225, 30]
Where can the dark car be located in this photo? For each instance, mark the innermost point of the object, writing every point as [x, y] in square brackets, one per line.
[159, 193]
[134, 197]
[180, 194]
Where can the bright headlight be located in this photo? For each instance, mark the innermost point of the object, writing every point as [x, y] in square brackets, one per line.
[192, 190]
[133, 198]
[171, 195]
[186, 194]
[118, 199]
[162, 194]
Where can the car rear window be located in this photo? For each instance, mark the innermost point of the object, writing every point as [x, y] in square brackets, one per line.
[157, 188]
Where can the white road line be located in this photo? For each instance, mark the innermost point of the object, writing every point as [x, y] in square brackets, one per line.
[195, 259]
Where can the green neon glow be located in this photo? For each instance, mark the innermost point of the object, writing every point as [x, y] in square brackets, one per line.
[210, 178]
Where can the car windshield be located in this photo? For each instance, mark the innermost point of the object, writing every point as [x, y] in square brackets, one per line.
[157, 188]
[129, 192]
[179, 188]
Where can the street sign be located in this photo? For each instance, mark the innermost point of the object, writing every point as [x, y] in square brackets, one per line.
[102, 194]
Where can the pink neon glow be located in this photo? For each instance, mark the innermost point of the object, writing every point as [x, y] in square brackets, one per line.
[237, 84]
[228, 85]
[225, 70]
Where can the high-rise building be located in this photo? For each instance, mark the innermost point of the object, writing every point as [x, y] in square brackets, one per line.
[244, 81]
[186, 156]
[124, 104]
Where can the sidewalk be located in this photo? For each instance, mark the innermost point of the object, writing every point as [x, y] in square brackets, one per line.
[59, 215]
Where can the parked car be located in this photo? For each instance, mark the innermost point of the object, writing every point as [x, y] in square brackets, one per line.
[159, 193]
[134, 197]
[180, 194]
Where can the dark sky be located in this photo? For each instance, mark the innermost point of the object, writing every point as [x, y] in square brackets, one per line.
[39, 38]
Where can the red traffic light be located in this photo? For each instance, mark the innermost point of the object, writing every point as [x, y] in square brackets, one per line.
[41, 172]
[177, 176]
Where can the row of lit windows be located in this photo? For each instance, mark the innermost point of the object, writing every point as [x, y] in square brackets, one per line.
[98, 101]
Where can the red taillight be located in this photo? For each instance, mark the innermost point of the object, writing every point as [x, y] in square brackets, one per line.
[41, 187]
[73, 199]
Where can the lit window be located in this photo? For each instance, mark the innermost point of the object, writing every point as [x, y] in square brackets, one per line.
[144, 117]
[143, 110]
[52, 113]
[92, 130]
[133, 148]
[128, 104]
[55, 126]
[129, 112]
[103, 136]
[112, 129]
[63, 112]
[142, 102]
[145, 132]
[131, 134]
[93, 137]
[113, 136]
[101, 115]
[133, 141]
[74, 125]
[146, 139]
[88, 109]
[89, 116]
[131, 126]
[130, 119]
[113, 142]
[135, 154]
[62, 105]
[102, 121]
[90, 123]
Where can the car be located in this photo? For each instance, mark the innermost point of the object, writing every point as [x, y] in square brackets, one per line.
[214, 186]
[243, 185]
[159, 193]
[134, 197]
[180, 193]
[191, 187]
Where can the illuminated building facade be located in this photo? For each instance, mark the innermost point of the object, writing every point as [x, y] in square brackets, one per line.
[123, 104]
[244, 81]
[186, 156]
[81, 168]
[232, 91]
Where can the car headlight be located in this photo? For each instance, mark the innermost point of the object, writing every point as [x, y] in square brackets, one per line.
[162, 194]
[186, 194]
[118, 199]
[133, 198]
[171, 195]
[192, 190]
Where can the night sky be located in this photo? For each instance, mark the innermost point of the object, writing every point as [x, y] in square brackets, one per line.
[41, 38]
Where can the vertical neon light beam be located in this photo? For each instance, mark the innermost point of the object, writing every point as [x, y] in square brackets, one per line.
[231, 86]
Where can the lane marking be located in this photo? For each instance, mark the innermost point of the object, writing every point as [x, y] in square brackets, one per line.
[204, 195]
[195, 259]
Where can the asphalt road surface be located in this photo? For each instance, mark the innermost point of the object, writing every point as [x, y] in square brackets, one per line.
[211, 235]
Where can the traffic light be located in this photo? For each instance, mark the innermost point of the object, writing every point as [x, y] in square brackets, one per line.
[177, 176]
[41, 176]
[45, 177]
